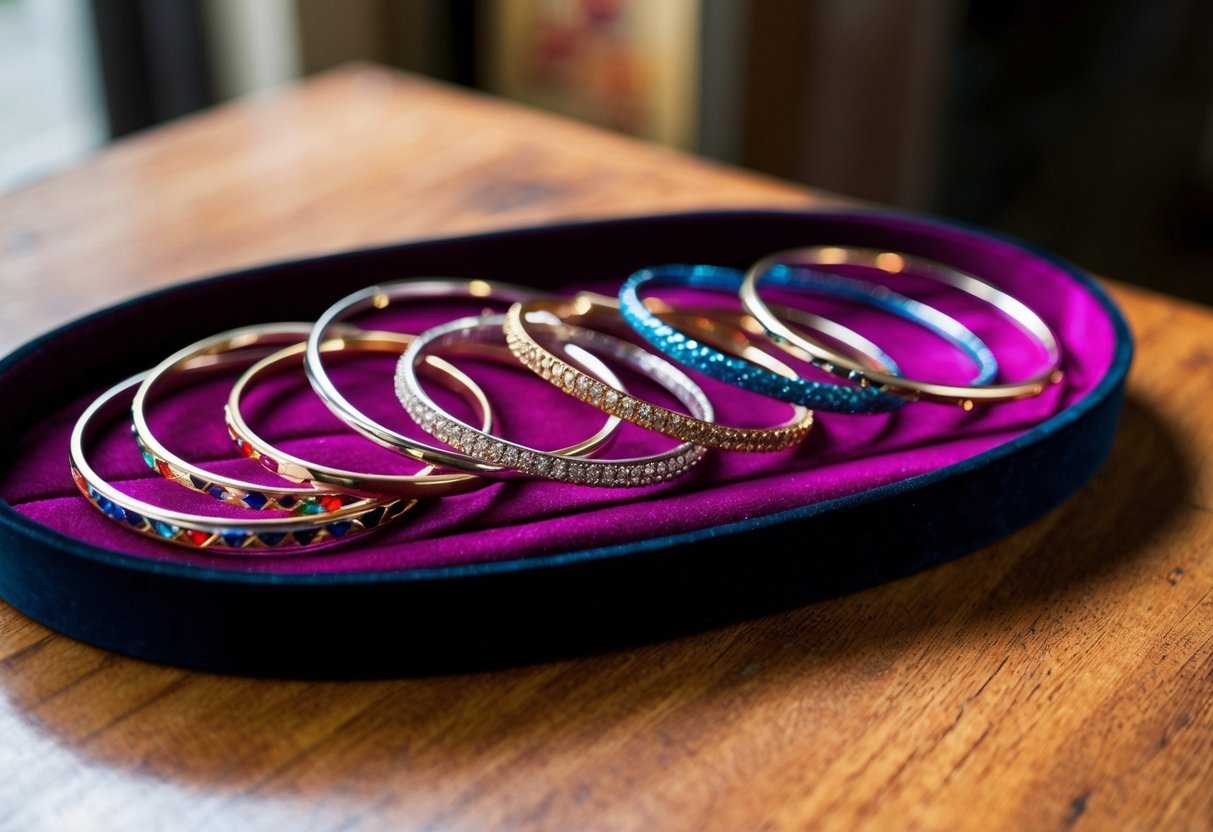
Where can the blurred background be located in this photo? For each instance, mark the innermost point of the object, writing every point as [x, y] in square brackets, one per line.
[1085, 126]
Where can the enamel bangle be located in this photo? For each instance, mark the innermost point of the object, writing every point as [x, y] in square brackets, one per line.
[256, 535]
[527, 461]
[297, 469]
[526, 318]
[892, 263]
[243, 347]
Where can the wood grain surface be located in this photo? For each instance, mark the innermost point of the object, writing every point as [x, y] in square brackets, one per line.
[1061, 679]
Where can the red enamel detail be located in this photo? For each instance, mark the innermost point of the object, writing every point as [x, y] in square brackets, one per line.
[164, 470]
[246, 449]
[196, 537]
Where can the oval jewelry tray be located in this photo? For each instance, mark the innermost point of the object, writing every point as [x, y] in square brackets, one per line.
[522, 571]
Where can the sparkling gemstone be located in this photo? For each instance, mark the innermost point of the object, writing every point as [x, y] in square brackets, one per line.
[610, 398]
[272, 538]
[233, 539]
[510, 457]
[558, 469]
[255, 500]
[164, 470]
[163, 529]
[569, 377]
[330, 502]
[287, 502]
[338, 529]
[197, 537]
[542, 464]
[305, 536]
[596, 392]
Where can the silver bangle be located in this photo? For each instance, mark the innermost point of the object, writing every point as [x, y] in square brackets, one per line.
[528, 461]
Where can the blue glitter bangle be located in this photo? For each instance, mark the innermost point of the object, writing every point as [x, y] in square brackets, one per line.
[731, 369]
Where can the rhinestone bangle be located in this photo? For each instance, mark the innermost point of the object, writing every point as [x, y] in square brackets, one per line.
[551, 465]
[258, 535]
[701, 431]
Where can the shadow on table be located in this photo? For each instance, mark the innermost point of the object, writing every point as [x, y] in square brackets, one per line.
[440, 724]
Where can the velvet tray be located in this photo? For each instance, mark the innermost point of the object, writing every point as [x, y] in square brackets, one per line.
[521, 571]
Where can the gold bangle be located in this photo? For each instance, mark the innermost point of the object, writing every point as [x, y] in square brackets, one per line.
[522, 317]
[894, 263]
[297, 469]
[227, 351]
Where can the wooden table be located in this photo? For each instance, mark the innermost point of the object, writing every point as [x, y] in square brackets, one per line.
[1062, 678]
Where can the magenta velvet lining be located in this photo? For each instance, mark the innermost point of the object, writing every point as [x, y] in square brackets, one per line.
[844, 455]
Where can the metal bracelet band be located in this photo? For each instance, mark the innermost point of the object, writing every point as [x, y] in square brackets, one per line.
[893, 263]
[256, 535]
[381, 297]
[240, 348]
[736, 370]
[525, 317]
[298, 469]
[526, 461]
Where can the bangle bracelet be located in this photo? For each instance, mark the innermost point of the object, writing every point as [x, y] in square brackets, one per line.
[381, 297]
[553, 465]
[252, 536]
[733, 369]
[701, 431]
[292, 467]
[297, 469]
[251, 342]
[893, 263]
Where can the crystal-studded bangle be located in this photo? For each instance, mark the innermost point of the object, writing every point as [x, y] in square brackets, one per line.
[257, 535]
[524, 318]
[243, 347]
[732, 369]
[297, 469]
[637, 471]
[383, 296]
[890, 263]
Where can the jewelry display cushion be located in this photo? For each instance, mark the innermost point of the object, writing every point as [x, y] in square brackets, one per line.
[521, 571]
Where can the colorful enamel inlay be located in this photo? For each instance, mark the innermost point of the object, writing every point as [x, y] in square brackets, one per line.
[249, 538]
